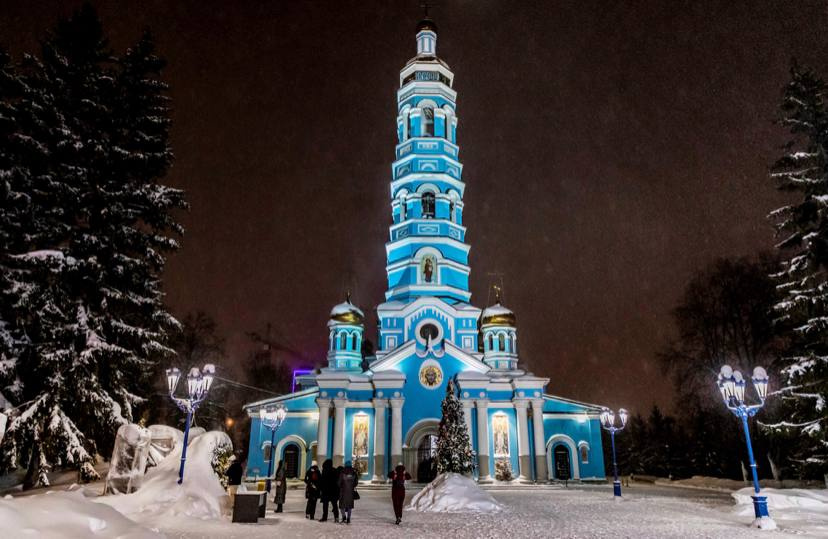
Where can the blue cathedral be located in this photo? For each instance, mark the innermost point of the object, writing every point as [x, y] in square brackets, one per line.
[385, 409]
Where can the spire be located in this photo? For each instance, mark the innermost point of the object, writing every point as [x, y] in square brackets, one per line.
[426, 33]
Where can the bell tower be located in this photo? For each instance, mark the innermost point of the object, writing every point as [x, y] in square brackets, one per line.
[427, 255]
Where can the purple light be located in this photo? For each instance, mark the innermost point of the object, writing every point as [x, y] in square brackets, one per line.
[295, 373]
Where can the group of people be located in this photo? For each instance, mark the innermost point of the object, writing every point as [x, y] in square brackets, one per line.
[337, 489]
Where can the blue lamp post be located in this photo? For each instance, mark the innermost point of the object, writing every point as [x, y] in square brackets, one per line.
[608, 422]
[272, 420]
[732, 386]
[198, 385]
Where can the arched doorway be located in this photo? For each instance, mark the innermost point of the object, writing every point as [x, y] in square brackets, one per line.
[426, 467]
[419, 443]
[561, 457]
[291, 461]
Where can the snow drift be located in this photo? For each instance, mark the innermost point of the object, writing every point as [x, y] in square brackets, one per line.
[792, 505]
[454, 493]
[200, 495]
[66, 515]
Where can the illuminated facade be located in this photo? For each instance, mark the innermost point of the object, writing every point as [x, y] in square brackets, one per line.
[388, 411]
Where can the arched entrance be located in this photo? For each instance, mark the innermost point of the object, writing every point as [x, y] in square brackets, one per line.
[426, 467]
[420, 447]
[561, 458]
[291, 460]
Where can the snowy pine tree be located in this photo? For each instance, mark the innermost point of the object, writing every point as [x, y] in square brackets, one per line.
[454, 452]
[82, 320]
[803, 229]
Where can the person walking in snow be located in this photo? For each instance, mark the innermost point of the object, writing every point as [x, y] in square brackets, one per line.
[398, 478]
[347, 491]
[280, 481]
[330, 490]
[313, 483]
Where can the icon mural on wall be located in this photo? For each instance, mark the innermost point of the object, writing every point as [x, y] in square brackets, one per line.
[360, 436]
[427, 267]
[431, 376]
[500, 428]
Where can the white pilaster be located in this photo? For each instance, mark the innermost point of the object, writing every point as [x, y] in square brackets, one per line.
[541, 472]
[523, 439]
[396, 430]
[379, 440]
[322, 429]
[339, 432]
[467, 415]
[483, 440]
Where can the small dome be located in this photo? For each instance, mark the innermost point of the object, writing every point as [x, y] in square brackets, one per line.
[347, 312]
[426, 24]
[497, 315]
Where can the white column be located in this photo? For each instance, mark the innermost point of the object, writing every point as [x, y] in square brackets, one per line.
[379, 440]
[396, 430]
[467, 414]
[339, 432]
[523, 439]
[322, 429]
[541, 471]
[483, 440]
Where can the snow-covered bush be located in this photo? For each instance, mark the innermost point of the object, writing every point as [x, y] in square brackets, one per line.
[503, 470]
[221, 461]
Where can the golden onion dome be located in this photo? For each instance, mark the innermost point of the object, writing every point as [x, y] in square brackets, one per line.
[497, 315]
[347, 312]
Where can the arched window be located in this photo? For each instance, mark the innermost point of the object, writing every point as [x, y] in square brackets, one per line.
[584, 450]
[343, 344]
[402, 208]
[428, 122]
[427, 201]
[267, 449]
[451, 211]
[501, 343]
[514, 344]
[491, 342]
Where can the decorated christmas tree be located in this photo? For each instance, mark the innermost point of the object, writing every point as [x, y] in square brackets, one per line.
[454, 452]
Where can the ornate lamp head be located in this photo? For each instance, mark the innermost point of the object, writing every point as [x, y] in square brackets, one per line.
[172, 379]
[194, 383]
[623, 415]
[760, 382]
[281, 413]
[208, 372]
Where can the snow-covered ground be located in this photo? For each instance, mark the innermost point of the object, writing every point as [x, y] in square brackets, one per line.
[582, 512]
[454, 493]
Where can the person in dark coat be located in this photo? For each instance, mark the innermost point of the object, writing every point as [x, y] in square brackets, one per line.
[234, 475]
[347, 487]
[330, 490]
[398, 478]
[280, 482]
[313, 483]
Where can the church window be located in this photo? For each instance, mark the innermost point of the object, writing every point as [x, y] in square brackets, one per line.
[343, 344]
[428, 122]
[428, 205]
[451, 211]
[266, 451]
[429, 330]
[584, 450]
[501, 343]
[491, 342]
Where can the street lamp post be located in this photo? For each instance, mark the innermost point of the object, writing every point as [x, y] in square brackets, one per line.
[732, 386]
[198, 385]
[608, 422]
[272, 420]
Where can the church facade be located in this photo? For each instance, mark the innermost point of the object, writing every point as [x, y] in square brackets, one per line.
[388, 410]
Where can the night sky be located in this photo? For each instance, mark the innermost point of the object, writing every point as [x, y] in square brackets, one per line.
[610, 149]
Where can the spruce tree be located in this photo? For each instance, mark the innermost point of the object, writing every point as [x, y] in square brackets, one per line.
[83, 319]
[803, 230]
[454, 452]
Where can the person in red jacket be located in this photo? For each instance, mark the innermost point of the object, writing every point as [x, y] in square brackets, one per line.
[398, 478]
